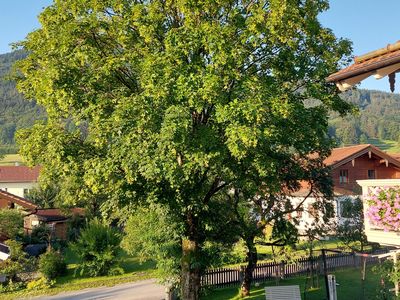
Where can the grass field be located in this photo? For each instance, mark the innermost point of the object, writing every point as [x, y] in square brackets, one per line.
[134, 271]
[386, 145]
[349, 287]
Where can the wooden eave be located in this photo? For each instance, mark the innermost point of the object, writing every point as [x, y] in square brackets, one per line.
[374, 151]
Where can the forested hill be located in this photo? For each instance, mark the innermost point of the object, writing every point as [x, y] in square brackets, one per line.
[379, 118]
[379, 113]
[15, 111]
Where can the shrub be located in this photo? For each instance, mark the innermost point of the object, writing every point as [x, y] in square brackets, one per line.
[97, 248]
[41, 234]
[11, 223]
[40, 284]
[11, 287]
[17, 262]
[52, 264]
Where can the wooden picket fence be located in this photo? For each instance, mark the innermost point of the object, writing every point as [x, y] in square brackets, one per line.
[224, 277]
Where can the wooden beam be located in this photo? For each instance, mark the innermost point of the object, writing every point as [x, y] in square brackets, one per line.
[350, 82]
[369, 154]
[382, 72]
[353, 162]
[387, 163]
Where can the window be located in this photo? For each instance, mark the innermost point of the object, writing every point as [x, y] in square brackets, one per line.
[343, 176]
[312, 211]
[299, 214]
[26, 192]
[371, 174]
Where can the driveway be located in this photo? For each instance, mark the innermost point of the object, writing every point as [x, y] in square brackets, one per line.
[140, 290]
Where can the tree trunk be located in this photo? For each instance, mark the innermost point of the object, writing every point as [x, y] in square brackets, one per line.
[190, 263]
[190, 276]
[248, 271]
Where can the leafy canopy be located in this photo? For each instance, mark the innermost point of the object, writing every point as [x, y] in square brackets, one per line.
[177, 102]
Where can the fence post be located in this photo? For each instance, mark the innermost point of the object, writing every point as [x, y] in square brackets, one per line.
[241, 273]
[282, 272]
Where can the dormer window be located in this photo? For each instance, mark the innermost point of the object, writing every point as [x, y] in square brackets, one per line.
[343, 176]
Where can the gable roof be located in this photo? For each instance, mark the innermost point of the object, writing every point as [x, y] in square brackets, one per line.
[341, 156]
[56, 214]
[379, 63]
[25, 203]
[19, 174]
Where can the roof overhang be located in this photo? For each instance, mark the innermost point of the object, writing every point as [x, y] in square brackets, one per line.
[379, 63]
[373, 150]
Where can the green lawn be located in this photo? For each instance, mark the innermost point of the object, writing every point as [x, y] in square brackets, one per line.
[386, 145]
[288, 253]
[134, 270]
[349, 287]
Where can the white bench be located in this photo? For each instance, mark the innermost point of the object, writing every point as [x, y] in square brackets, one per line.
[285, 292]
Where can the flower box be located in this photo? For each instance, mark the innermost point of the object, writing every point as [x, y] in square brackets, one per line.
[381, 200]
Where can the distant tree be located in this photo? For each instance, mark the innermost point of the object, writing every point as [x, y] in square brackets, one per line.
[351, 232]
[363, 139]
[44, 196]
[11, 223]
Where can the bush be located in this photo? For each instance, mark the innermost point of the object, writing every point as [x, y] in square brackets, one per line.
[97, 248]
[11, 223]
[52, 264]
[40, 284]
[40, 234]
[17, 262]
[11, 287]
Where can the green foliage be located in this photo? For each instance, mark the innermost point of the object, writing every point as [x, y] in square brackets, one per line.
[97, 248]
[377, 118]
[351, 232]
[40, 284]
[17, 262]
[52, 264]
[44, 196]
[75, 224]
[150, 234]
[177, 103]
[389, 275]
[11, 223]
[11, 287]
[16, 112]
[40, 234]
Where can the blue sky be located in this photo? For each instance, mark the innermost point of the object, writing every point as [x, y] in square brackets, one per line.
[370, 24]
[17, 19]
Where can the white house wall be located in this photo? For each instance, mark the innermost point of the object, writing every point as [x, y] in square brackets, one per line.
[17, 188]
[306, 220]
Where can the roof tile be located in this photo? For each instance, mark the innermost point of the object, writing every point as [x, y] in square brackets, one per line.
[18, 174]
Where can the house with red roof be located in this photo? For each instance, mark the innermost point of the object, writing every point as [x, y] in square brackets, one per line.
[56, 219]
[18, 180]
[349, 164]
[8, 200]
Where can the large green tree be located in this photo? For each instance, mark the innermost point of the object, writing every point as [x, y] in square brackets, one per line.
[178, 102]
